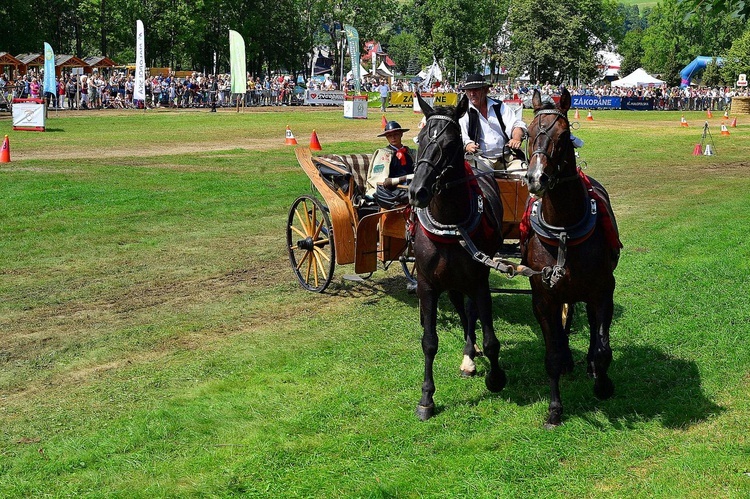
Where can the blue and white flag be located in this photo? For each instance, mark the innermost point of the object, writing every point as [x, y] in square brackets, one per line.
[49, 70]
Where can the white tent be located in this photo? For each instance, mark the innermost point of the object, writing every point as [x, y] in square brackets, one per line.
[638, 78]
[382, 70]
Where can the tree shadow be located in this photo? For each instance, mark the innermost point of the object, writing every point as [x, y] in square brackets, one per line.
[649, 385]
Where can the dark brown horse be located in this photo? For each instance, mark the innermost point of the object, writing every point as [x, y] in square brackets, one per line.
[452, 214]
[574, 245]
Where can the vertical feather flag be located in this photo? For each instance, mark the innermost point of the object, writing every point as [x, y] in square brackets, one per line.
[352, 37]
[49, 70]
[237, 62]
[139, 90]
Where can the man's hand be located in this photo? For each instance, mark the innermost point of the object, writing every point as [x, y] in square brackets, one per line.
[472, 147]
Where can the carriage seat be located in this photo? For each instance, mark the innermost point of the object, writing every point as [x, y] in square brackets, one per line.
[356, 164]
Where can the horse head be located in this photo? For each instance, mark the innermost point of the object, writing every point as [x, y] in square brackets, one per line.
[552, 157]
[440, 148]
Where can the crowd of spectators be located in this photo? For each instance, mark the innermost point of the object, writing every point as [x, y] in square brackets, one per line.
[115, 91]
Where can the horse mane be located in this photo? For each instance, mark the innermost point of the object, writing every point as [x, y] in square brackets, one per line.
[548, 103]
[445, 110]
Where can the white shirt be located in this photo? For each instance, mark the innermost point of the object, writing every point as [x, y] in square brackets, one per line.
[491, 139]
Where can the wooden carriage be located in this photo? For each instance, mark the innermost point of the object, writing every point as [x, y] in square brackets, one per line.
[336, 224]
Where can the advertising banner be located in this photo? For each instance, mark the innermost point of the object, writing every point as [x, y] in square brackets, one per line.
[28, 114]
[438, 98]
[324, 97]
[49, 70]
[352, 37]
[637, 104]
[139, 88]
[237, 63]
[595, 102]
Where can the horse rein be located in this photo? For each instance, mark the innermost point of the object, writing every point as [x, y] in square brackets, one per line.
[432, 140]
[555, 178]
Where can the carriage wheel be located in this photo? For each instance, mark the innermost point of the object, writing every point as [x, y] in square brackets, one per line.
[309, 238]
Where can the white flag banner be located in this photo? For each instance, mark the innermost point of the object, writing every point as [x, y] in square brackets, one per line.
[139, 92]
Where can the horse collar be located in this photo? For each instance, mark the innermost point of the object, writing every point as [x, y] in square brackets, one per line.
[435, 229]
[575, 234]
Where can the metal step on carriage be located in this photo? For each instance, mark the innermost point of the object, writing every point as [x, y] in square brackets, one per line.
[336, 224]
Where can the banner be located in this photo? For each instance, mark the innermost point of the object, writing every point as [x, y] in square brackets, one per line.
[139, 90]
[237, 63]
[438, 98]
[28, 114]
[595, 102]
[324, 97]
[637, 104]
[352, 37]
[49, 70]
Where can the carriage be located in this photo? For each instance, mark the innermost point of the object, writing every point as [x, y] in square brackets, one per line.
[336, 224]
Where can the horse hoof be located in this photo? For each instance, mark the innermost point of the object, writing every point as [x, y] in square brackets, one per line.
[603, 388]
[496, 383]
[554, 419]
[468, 374]
[425, 412]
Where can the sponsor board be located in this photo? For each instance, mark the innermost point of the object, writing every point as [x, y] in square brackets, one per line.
[324, 97]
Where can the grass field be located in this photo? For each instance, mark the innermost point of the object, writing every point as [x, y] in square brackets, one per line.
[154, 341]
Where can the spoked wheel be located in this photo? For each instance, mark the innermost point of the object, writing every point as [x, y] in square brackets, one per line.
[309, 238]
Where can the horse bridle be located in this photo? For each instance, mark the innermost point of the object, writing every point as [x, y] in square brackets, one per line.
[433, 165]
[556, 177]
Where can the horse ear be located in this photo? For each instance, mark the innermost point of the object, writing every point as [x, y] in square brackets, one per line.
[426, 109]
[536, 100]
[564, 101]
[462, 107]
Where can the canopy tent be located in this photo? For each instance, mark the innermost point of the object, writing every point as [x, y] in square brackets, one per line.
[638, 78]
[382, 70]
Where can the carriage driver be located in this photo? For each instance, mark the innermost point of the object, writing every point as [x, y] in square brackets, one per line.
[389, 167]
[489, 126]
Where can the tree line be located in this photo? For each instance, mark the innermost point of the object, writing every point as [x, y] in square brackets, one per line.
[550, 40]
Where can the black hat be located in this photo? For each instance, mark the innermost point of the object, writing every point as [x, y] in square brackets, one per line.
[391, 127]
[475, 80]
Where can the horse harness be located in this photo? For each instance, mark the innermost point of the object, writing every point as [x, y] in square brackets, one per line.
[461, 231]
[562, 237]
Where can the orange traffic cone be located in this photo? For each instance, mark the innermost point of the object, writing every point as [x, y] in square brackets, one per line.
[5, 153]
[709, 114]
[383, 122]
[726, 114]
[314, 142]
[683, 121]
[697, 150]
[290, 140]
[734, 122]
[590, 117]
[724, 130]
[578, 115]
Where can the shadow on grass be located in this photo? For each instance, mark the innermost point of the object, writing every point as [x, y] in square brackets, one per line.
[649, 385]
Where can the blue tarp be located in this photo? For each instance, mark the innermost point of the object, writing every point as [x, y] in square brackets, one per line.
[698, 64]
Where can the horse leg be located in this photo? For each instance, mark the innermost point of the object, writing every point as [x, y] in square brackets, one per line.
[428, 314]
[468, 322]
[599, 355]
[555, 342]
[495, 379]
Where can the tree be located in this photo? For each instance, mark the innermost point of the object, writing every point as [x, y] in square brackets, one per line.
[631, 50]
[737, 59]
[563, 47]
[718, 8]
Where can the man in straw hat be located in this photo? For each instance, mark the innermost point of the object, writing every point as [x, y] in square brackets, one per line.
[490, 129]
[390, 167]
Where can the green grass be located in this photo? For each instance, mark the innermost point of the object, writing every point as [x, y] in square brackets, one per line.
[155, 342]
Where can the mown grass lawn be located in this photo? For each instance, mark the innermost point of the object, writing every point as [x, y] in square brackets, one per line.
[154, 341]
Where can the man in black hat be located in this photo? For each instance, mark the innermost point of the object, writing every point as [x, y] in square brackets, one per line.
[391, 166]
[490, 127]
